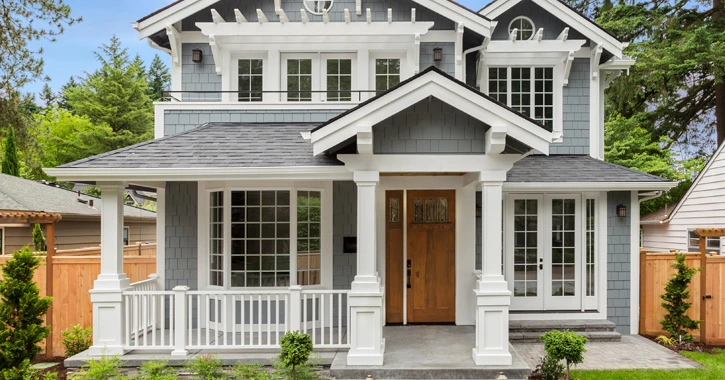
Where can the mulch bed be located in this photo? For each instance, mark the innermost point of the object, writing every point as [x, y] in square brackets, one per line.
[693, 347]
[60, 368]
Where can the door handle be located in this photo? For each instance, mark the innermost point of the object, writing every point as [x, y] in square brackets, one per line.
[541, 266]
[408, 283]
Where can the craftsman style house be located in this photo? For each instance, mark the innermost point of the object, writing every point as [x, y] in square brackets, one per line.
[337, 166]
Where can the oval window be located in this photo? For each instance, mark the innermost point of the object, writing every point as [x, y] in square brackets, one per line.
[524, 28]
[317, 6]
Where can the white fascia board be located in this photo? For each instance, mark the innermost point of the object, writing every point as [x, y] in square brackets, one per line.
[618, 64]
[545, 46]
[586, 186]
[497, 8]
[491, 167]
[199, 174]
[315, 29]
[157, 22]
[431, 84]
[458, 14]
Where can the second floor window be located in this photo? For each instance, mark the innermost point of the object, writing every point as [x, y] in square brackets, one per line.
[529, 90]
[299, 80]
[250, 80]
[387, 73]
[339, 79]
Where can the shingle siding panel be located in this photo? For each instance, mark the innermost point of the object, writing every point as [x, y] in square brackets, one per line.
[618, 261]
[344, 216]
[447, 64]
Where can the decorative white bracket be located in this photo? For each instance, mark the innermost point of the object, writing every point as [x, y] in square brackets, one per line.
[512, 35]
[539, 35]
[239, 16]
[325, 16]
[390, 15]
[496, 139]
[459, 43]
[277, 6]
[564, 34]
[365, 140]
[216, 17]
[596, 56]
[347, 16]
[368, 16]
[416, 55]
[282, 16]
[412, 15]
[358, 7]
[303, 16]
[216, 52]
[567, 67]
[261, 17]
[175, 43]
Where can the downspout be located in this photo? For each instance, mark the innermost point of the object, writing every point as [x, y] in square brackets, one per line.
[483, 46]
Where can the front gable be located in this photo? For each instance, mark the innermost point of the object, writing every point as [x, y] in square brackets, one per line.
[552, 25]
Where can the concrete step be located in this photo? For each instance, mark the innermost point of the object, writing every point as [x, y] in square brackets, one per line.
[429, 373]
[573, 325]
[593, 336]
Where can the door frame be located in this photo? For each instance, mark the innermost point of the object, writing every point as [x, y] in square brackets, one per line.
[563, 302]
[523, 303]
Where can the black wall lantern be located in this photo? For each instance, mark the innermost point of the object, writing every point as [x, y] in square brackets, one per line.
[621, 211]
[437, 54]
[197, 56]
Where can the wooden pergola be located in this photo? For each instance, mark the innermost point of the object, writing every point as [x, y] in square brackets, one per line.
[48, 220]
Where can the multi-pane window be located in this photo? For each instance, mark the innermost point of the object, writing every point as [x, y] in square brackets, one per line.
[299, 80]
[526, 248]
[126, 236]
[339, 79]
[521, 89]
[498, 84]
[216, 238]
[711, 243]
[250, 80]
[590, 246]
[524, 28]
[430, 210]
[309, 237]
[563, 247]
[260, 238]
[387, 73]
[544, 95]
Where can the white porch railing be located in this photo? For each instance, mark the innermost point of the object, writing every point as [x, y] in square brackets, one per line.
[231, 320]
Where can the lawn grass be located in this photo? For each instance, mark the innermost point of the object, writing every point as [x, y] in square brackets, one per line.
[714, 363]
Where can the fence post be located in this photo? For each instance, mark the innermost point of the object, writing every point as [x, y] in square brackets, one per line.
[180, 321]
[642, 289]
[295, 307]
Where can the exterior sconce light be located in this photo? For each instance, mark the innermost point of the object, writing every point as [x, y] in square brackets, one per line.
[197, 56]
[437, 54]
[621, 211]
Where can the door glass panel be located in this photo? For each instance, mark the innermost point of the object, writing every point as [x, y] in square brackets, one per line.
[590, 247]
[418, 210]
[526, 273]
[394, 210]
[442, 210]
[563, 250]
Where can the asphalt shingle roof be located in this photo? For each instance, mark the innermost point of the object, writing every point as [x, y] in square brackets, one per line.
[538, 168]
[218, 145]
[18, 194]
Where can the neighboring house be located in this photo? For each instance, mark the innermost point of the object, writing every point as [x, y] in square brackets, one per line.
[321, 158]
[672, 227]
[80, 226]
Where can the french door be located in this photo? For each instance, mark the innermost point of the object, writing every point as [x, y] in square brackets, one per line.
[562, 245]
[524, 255]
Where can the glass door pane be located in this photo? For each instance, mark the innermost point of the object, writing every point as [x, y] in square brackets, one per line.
[563, 254]
[523, 248]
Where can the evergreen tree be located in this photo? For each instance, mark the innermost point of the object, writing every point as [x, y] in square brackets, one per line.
[63, 101]
[38, 238]
[140, 67]
[677, 291]
[159, 78]
[21, 310]
[11, 164]
[48, 97]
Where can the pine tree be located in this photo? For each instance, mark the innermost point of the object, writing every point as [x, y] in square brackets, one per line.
[677, 322]
[11, 164]
[159, 78]
[63, 101]
[21, 310]
[38, 238]
[48, 97]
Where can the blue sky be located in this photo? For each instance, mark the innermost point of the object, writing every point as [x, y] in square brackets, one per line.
[72, 53]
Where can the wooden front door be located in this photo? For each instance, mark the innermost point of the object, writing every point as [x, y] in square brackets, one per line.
[431, 256]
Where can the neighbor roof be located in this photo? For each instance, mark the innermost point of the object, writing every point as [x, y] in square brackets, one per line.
[658, 215]
[18, 194]
[218, 145]
[539, 168]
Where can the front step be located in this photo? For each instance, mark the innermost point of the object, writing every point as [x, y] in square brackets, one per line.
[595, 330]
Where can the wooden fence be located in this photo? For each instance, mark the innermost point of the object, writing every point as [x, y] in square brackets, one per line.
[137, 249]
[708, 298]
[73, 277]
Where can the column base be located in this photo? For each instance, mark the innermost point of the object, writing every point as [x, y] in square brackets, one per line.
[367, 346]
[100, 351]
[179, 353]
[492, 358]
[492, 323]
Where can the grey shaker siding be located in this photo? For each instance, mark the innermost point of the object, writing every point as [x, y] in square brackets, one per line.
[176, 121]
[576, 111]
[541, 18]
[344, 220]
[429, 126]
[378, 8]
[181, 235]
[618, 261]
[199, 76]
[447, 64]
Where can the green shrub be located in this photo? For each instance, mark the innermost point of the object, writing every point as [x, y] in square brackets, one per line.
[38, 239]
[77, 339]
[550, 369]
[295, 351]
[24, 371]
[102, 369]
[206, 367]
[50, 376]
[677, 322]
[21, 310]
[251, 372]
[157, 370]
[567, 346]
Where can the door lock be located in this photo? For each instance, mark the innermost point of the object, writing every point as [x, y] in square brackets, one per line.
[408, 282]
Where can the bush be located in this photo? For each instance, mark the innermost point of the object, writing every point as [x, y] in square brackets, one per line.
[251, 372]
[567, 346]
[21, 310]
[206, 367]
[102, 369]
[677, 322]
[548, 369]
[156, 370]
[24, 371]
[296, 348]
[38, 239]
[77, 339]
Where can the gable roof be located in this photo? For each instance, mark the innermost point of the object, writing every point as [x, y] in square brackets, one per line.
[181, 9]
[715, 157]
[568, 15]
[18, 194]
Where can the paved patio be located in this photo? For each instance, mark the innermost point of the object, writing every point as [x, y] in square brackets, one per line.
[633, 352]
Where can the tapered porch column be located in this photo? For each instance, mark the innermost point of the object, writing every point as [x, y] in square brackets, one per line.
[107, 293]
[492, 295]
[366, 295]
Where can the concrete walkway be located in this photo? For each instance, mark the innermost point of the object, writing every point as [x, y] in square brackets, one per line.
[632, 352]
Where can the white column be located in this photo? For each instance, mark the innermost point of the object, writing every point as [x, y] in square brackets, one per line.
[107, 293]
[180, 321]
[492, 295]
[634, 259]
[367, 345]
[363, 75]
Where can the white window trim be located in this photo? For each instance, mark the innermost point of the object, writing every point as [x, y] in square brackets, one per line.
[127, 228]
[406, 70]
[304, 2]
[206, 188]
[324, 57]
[316, 73]
[707, 242]
[543, 60]
[233, 77]
[533, 26]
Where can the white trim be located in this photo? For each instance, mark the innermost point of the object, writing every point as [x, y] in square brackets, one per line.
[401, 28]
[407, 69]
[514, 48]
[161, 236]
[522, 17]
[251, 106]
[635, 264]
[587, 186]
[304, 2]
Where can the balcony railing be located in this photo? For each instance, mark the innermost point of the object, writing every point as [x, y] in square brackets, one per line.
[287, 96]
